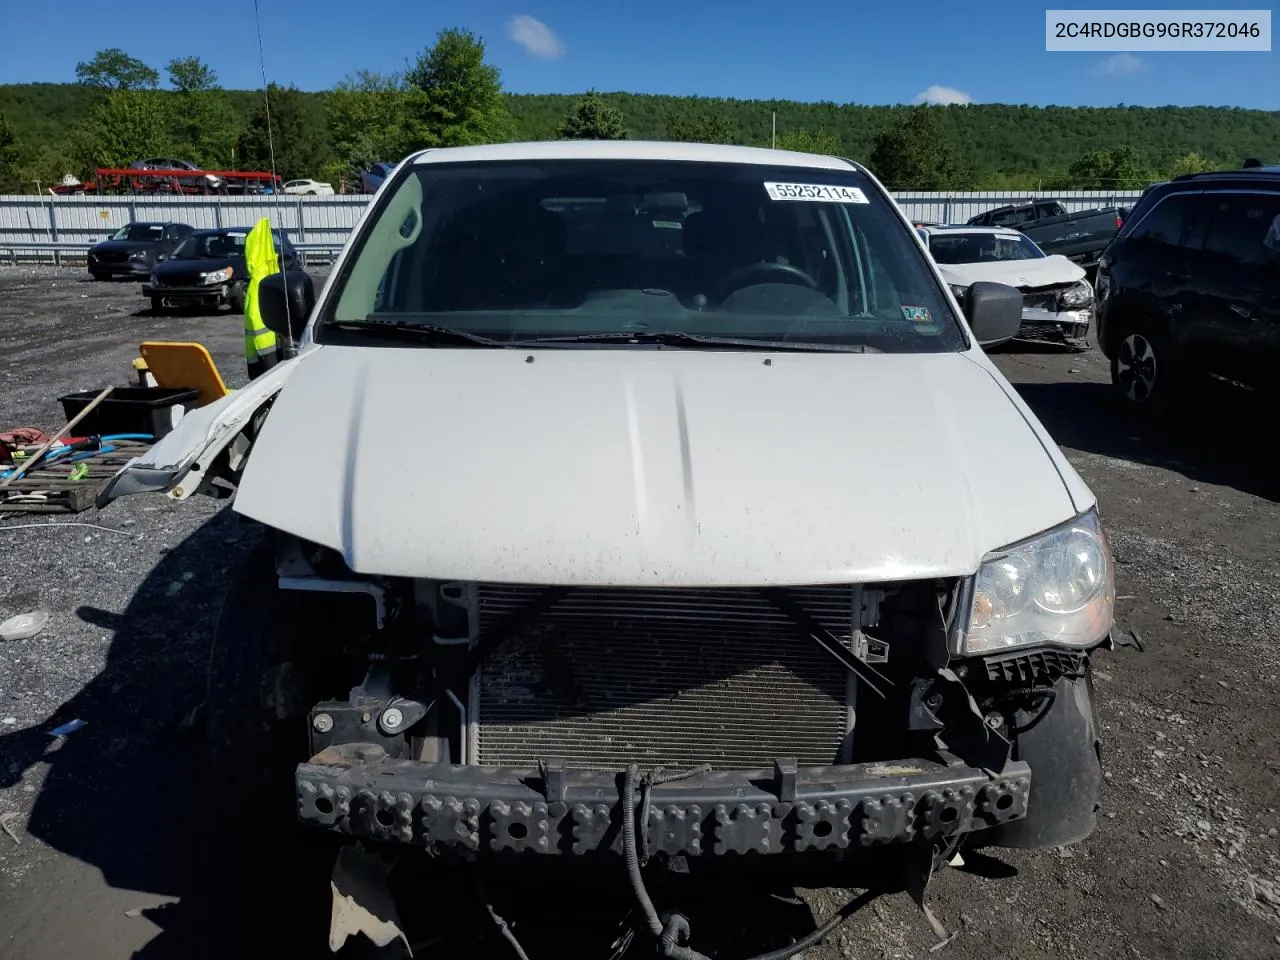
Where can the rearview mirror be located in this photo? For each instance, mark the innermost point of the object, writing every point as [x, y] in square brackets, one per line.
[285, 300]
[994, 311]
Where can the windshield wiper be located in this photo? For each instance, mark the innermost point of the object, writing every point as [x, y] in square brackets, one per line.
[426, 332]
[678, 338]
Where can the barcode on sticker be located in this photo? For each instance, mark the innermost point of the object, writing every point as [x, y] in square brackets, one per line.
[828, 192]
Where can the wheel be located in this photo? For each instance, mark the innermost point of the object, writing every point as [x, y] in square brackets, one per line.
[1147, 369]
[256, 708]
[100, 276]
[157, 305]
[236, 297]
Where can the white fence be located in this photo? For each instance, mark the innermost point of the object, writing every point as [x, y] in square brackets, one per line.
[35, 227]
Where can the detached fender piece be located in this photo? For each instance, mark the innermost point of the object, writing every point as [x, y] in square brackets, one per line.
[197, 440]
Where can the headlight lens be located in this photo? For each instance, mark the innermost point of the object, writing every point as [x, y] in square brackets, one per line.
[1057, 589]
[139, 255]
[1079, 295]
[217, 276]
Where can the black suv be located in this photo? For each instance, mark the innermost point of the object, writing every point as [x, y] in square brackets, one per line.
[1191, 286]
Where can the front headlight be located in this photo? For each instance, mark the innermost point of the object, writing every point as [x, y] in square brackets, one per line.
[139, 255]
[958, 291]
[217, 276]
[1076, 296]
[1056, 589]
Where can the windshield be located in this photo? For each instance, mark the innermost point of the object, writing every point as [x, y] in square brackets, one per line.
[202, 246]
[982, 247]
[559, 248]
[139, 232]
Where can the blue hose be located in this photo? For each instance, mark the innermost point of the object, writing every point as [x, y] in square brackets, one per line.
[59, 452]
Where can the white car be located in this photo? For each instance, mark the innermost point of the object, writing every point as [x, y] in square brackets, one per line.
[309, 188]
[603, 458]
[1058, 301]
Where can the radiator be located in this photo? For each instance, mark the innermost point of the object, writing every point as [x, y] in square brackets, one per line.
[672, 677]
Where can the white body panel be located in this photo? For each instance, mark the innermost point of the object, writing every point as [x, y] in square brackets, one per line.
[651, 467]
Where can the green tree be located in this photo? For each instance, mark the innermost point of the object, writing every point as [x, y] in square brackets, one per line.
[9, 173]
[191, 74]
[1189, 163]
[202, 125]
[698, 126]
[454, 97]
[917, 154]
[1113, 168]
[368, 120]
[297, 134]
[593, 118]
[113, 69]
[802, 141]
[129, 125]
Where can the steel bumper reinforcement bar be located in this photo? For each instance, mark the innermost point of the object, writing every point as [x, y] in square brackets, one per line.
[356, 789]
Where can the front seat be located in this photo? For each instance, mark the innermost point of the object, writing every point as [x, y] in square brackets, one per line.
[722, 241]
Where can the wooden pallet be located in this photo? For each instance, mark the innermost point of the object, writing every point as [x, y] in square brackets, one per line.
[47, 490]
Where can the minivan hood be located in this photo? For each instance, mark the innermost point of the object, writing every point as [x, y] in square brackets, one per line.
[1041, 272]
[651, 467]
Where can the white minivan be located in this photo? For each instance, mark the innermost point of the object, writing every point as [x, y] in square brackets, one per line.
[638, 504]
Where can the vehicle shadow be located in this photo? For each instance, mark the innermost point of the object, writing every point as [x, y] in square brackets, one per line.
[130, 795]
[1215, 439]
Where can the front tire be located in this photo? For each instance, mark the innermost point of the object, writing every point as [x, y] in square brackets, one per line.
[157, 305]
[256, 705]
[237, 295]
[1147, 369]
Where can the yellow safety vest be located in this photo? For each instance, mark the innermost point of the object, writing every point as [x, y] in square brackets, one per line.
[260, 258]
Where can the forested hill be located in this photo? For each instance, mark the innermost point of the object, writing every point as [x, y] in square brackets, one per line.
[997, 137]
[999, 146]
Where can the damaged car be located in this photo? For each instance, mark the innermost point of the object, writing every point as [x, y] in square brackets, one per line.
[1057, 298]
[643, 507]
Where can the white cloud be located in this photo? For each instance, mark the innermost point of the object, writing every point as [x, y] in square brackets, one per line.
[937, 95]
[536, 37]
[1119, 64]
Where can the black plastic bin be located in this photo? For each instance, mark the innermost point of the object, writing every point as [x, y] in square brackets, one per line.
[127, 410]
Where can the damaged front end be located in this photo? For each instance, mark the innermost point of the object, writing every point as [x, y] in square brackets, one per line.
[596, 723]
[1061, 313]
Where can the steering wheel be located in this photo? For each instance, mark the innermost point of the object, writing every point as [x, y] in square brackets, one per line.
[766, 272]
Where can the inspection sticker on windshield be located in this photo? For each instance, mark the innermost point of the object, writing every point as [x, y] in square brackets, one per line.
[830, 192]
[916, 314]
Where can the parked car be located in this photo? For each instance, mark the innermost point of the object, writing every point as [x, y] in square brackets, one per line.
[208, 270]
[1080, 237]
[371, 179]
[1057, 300]
[203, 181]
[309, 188]
[1191, 286]
[134, 249]
[651, 539]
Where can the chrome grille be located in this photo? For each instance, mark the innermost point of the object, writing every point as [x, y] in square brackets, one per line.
[671, 677]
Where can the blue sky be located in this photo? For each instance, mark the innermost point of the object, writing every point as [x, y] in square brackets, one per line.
[992, 51]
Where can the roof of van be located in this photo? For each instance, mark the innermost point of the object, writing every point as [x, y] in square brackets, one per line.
[632, 150]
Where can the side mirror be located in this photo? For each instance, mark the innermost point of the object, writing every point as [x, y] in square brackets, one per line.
[994, 311]
[285, 300]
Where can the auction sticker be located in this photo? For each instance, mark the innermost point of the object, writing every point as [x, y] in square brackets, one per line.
[828, 192]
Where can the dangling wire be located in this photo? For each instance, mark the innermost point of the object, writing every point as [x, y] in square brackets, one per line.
[275, 177]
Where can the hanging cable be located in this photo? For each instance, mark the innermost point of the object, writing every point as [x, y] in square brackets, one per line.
[275, 177]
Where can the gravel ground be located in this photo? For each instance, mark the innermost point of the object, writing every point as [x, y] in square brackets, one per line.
[114, 853]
